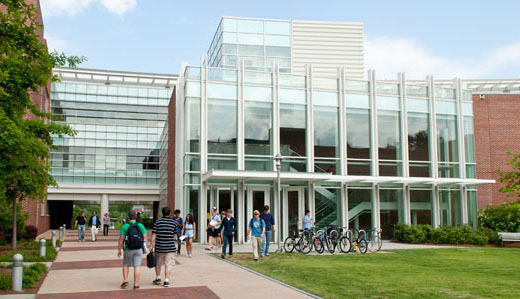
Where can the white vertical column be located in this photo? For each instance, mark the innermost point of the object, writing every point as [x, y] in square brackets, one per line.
[342, 123]
[462, 149]
[373, 126]
[104, 205]
[346, 209]
[240, 118]
[241, 216]
[310, 119]
[203, 151]
[404, 141]
[203, 212]
[375, 207]
[434, 151]
[344, 205]
[276, 114]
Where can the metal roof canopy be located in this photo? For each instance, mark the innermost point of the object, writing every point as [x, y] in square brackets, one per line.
[328, 177]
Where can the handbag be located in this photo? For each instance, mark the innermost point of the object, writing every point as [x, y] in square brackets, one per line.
[151, 260]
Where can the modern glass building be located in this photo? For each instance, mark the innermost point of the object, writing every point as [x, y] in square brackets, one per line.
[357, 153]
[119, 117]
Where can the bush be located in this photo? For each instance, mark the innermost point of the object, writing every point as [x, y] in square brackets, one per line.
[442, 235]
[6, 221]
[5, 282]
[30, 232]
[501, 218]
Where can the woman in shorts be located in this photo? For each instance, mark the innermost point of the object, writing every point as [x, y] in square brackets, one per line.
[189, 231]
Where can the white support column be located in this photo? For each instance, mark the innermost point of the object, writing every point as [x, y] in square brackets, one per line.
[241, 216]
[373, 127]
[240, 118]
[461, 148]
[406, 203]
[375, 207]
[342, 123]
[433, 151]
[203, 211]
[312, 201]
[203, 119]
[344, 205]
[404, 137]
[436, 207]
[276, 115]
[104, 205]
[310, 119]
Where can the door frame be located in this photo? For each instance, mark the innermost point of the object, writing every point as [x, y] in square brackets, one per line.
[301, 207]
[249, 197]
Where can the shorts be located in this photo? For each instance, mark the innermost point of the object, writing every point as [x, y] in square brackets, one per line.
[213, 232]
[132, 258]
[165, 258]
[189, 234]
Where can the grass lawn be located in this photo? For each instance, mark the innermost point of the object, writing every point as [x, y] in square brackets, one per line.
[431, 273]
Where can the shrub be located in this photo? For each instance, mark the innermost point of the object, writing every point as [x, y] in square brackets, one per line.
[5, 282]
[442, 235]
[501, 218]
[30, 232]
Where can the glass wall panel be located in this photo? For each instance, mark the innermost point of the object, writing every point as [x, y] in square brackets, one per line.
[360, 208]
[472, 208]
[228, 25]
[417, 90]
[229, 49]
[326, 166]
[292, 130]
[253, 26]
[445, 107]
[326, 131]
[250, 50]
[418, 136]
[255, 93]
[278, 51]
[391, 211]
[325, 98]
[258, 164]
[389, 135]
[421, 206]
[278, 40]
[358, 133]
[193, 125]
[357, 100]
[327, 205]
[359, 86]
[417, 105]
[390, 103]
[451, 207]
[257, 128]
[222, 126]
[250, 39]
[292, 96]
[222, 162]
[221, 91]
[358, 167]
[294, 165]
[447, 138]
[274, 27]
[469, 139]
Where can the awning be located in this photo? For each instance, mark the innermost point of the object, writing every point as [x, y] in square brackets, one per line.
[328, 177]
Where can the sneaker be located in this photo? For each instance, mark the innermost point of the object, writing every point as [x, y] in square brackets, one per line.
[157, 281]
[230, 256]
[166, 284]
[189, 255]
[124, 285]
[222, 256]
[256, 259]
[262, 255]
[267, 254]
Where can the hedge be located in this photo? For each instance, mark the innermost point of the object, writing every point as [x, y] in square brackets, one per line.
[31, 275]
[442, 235]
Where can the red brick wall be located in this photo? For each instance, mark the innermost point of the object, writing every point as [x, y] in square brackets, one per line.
[497, 131]
[171, 150]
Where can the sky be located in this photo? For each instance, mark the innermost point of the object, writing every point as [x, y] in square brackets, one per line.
[447, 39]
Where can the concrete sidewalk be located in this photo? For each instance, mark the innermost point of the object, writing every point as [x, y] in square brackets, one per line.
[83, 270]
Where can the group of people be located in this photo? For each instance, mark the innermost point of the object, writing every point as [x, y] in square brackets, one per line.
[94, 223]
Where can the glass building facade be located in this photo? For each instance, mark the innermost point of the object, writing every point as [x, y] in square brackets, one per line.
[358, 153]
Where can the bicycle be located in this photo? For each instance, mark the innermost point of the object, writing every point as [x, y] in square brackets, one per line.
[326, 239]
[360, 244]
[373, 237]
[345, 241]
[301, 242]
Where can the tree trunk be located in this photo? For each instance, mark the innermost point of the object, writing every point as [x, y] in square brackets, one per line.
[14, 224]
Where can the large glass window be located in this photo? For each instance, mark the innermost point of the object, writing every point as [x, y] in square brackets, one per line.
[193, 124]
[469, 144]
[358, 141]
[360, 208]
[389, 139]
[292, 130]
[451, 207]
[418, 144]
[472, 208]
[447, 145]
[391, 210]
[222, 126]
[421, 206]
[326, 131]
[257, 128]
[327, 207]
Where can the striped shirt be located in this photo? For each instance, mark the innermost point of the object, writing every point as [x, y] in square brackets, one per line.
[164, 229]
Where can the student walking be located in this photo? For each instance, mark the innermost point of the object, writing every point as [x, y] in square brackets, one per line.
[94, 223]
[164, 231]
[255, 232]
[229, 225]
[220, 237]
[190, 232]
[81, 220]
[106, 224]
[213, 227]
[178, 220]
[132, 238]
[269, 228]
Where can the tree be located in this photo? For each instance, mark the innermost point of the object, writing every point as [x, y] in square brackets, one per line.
[25, 66]
[511, 179]
[61, 59]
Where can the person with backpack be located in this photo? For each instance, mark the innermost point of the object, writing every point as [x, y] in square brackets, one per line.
[132, 238]
[256, 232]
[164, 231]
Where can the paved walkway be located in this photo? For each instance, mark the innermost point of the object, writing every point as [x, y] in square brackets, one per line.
[92, 269]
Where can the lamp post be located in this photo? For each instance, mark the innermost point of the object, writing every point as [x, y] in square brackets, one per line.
[278, 164]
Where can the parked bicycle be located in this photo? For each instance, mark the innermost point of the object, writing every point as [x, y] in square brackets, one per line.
[359, 243]
[302, 242]
[373, 237]
[328, 237]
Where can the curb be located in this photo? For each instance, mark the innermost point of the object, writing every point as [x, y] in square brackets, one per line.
[265, 276]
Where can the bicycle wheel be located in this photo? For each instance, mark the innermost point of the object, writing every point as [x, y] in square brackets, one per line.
[379, 241]
[306, 245]
[289, 244]
[363, 246]
[372, 241]
[331, 247]
[318, 245]
[345, 244]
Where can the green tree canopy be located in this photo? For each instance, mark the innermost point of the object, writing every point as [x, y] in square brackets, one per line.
[25, 67]
[511, 179]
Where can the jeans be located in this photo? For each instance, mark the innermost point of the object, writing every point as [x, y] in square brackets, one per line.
[105, 229]
[265, 243]
[228, 239]
[81, 232]
[179, 243]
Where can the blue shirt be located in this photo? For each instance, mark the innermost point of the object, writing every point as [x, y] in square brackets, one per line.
[307, 222]
[94, 220]
[256, 227]
[269, 221]
[179, 223]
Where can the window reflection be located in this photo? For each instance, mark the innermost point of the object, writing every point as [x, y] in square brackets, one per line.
[358, 133]
[389, 135]
[222, 126]
[257, 128]
[292, 130]
[326, 127]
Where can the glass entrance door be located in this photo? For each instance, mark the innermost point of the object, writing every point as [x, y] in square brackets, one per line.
[293, 210]
[257, 198]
